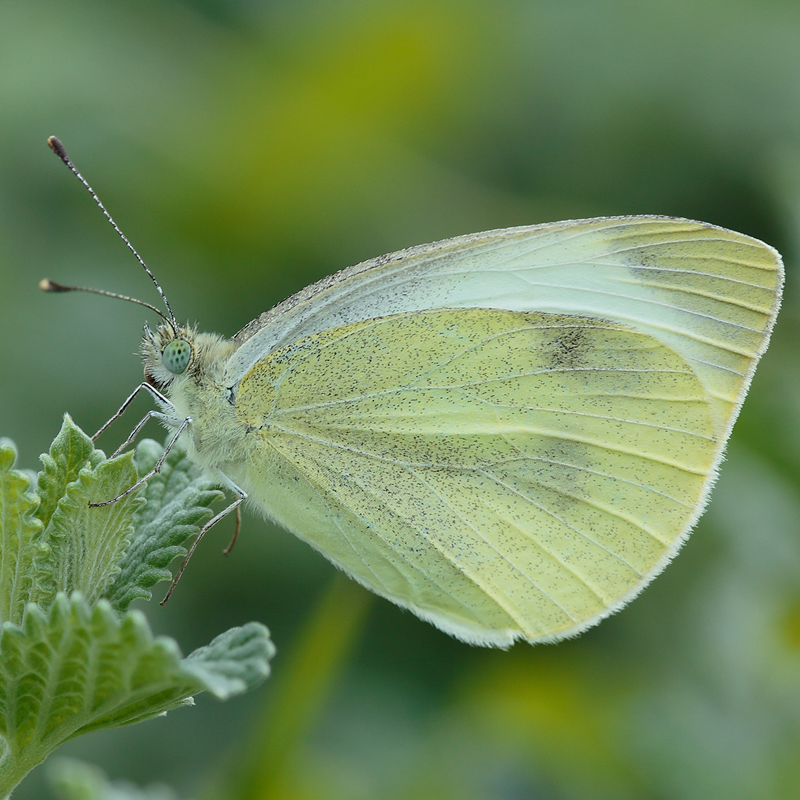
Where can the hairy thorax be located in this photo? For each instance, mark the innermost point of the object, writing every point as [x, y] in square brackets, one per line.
[215, 438]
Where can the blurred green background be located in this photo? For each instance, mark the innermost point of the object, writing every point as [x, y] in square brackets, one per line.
[248, 148]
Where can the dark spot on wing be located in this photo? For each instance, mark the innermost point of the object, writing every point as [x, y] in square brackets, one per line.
[570, 346]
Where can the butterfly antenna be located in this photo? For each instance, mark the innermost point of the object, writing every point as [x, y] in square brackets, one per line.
[46, 285]
[58, 149]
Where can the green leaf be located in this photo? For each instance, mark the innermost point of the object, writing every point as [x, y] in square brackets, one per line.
[78, 669]
[234, 662]
[20, 537]
[75, 780]
[71, 666]
[177, 506]
[70, 452]
[86, 544]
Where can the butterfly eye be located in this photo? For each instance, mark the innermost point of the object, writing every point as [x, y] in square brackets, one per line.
[176, 356]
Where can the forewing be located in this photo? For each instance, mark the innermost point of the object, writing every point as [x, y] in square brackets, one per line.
[502, 474]
[709, 294]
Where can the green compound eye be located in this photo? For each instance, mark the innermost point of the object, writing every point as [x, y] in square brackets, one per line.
[176, 356]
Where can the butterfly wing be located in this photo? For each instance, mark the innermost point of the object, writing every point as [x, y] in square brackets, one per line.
[502, 474]
[708, 293]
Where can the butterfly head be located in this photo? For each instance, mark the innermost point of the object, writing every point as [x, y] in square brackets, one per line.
[172, 354]
[168, 352]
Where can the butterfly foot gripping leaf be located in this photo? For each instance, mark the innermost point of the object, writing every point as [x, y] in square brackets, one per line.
[509, 433]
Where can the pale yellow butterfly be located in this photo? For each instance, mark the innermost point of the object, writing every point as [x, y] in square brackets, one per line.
[509, 433]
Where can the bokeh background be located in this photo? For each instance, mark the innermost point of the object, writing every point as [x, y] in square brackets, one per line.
[249, 147]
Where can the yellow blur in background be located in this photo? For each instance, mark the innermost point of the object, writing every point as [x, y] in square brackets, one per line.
[248, 148]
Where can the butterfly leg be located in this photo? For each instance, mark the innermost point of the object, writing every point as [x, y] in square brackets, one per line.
[236, 528]
[156, 469]
[157, 396]
[241, 496]
[166, 418]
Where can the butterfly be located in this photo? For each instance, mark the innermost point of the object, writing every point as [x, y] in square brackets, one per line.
[509, 433]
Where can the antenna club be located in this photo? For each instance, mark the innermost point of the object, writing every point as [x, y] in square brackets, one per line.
[58, 149]
[46, 285]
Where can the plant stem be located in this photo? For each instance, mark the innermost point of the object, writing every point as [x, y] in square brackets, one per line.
[304, 684]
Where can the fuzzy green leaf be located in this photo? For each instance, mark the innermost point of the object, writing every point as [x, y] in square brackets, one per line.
[20, 537]
[86, 544]
[177, 506]
[70, 452]
[75, 780]
[71, 666]
[234, 662]
[78, 669]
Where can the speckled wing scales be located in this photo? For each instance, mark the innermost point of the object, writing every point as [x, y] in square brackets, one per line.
[503, 474]
[708, 293]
